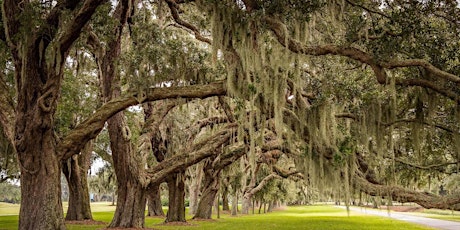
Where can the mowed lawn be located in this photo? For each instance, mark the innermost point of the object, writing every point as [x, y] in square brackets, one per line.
[300, 217]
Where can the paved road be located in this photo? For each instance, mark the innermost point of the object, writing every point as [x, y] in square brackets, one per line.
[434, 223]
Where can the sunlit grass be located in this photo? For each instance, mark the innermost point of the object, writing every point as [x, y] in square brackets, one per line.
[301, 217]
[9, 209]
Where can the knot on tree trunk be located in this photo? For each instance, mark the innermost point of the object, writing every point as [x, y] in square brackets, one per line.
[45, 101]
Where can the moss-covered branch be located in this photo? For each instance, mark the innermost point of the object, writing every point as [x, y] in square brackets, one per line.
[73, 30]
[193, 155]
[426, 200]
[173, 6]
[378, 66]
[90, 128]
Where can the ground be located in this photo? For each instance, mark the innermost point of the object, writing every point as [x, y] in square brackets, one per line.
[299, 217]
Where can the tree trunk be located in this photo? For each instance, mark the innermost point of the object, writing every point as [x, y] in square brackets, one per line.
[246, 205]
[194, 188]
[130, 211]
[41, 205]
[208, 197]
[235, 204]
[209, 192]
[270, 206]
[75, 172]
[154, 201]
[225, 206]
[426, 200]
[216, 206]
[176, 187]
[38, 83]
[131, 198]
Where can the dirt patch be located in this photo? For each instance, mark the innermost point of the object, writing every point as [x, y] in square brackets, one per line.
[176, 224]
[155, 217]
[85, 222]
[203, 220]
[128, 229]
[280, 208]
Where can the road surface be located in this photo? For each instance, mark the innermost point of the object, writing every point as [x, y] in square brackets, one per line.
[430, 222]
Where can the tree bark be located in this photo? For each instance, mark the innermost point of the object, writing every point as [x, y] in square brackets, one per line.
[38, 84]
[250, 191]
[41, 206]
[155, 207]
[270, 206]
[225, 194]
[194, 189]
[131, 196]
[176, 186]
[209, 191]
[245, 205]
[75, 172]
[235, 204]
[212, 168]
[426, 200]
[225, 205]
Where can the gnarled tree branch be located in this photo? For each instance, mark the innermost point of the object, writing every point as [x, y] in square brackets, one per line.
[175, 13]
[279, 29]
[426, 200]
[90, 128]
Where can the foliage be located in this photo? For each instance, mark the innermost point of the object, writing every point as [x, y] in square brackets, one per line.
[10, 193]
[103, 184]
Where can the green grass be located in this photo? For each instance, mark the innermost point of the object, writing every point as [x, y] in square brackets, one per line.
[302, 217]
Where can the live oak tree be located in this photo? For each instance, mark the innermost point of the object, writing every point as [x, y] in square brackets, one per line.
[39, 37]
[75, 105]
[39, 40]
[332, 31]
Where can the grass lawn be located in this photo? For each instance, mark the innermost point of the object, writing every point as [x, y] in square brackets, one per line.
[302, 217]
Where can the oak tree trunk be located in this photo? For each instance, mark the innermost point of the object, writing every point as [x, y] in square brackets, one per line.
[131, 201]
[225, 205]
[209, 191]
[194, 189]
[235, 204]
[270, 206]
[41, 206]
[131, 196]
[75, 172]
[246, 205]
[154, 201]
[208, 197]
[176, 187]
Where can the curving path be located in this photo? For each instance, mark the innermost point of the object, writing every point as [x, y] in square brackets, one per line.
[430, 222]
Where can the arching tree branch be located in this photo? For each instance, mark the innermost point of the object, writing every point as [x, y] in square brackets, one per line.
[279, 29]
[426, 200]
[175, 13]
[73, 30]
[90, 128]
[197, 153]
